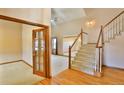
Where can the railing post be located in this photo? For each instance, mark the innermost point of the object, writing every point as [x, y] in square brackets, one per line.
[102, 55]
[81, 36]
[69, 57]
[99, 61]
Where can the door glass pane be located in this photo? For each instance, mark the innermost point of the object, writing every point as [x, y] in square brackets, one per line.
[39, 50]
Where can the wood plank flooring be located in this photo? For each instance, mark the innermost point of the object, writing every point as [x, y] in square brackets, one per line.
[72, 77]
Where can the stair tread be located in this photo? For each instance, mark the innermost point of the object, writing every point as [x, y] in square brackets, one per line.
[81, 61]
[85, 59]
[84, 64]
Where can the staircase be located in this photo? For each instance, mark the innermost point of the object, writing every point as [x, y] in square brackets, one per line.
[89, 57]
[85, 59]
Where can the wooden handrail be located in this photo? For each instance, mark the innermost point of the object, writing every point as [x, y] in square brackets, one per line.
[113, 19]
[70, 47]
[85, 33]
[102, 27]
[100, 57]
[78, 38]
[75, 40]
[100, 34]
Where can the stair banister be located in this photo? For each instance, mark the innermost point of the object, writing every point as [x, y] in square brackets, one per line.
[113, 19]
[100, 51]
[70, 47]
[116, 24]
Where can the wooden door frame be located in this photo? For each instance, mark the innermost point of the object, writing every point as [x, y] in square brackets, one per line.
[46, 52]
[34, 53]
[45, 27]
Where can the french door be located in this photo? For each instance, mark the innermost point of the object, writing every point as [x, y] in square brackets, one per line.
[41, 65]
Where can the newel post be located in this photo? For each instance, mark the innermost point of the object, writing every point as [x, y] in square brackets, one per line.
[69, 57]
[81, 36]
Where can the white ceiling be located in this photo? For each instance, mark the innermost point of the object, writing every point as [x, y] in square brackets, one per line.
[61, 15]
[102, 15]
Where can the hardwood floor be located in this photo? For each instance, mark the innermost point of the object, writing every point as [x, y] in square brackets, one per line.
[72, 77]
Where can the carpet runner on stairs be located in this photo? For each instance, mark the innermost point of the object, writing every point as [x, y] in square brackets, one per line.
[85, 59]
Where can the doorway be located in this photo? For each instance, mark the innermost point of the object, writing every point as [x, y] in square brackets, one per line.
[54, 46]
[42, 46]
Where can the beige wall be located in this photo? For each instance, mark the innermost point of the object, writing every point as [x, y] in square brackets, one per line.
[30, 14]
[27, 43]
[10, 41]
[114, 52]
[39, 15]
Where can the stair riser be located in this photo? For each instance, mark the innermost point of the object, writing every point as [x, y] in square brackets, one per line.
[88, 65]
[88, 53]
[87, 56]
[87, 60]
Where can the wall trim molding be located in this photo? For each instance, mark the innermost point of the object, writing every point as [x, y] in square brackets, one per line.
[16, 62]
[10, 62]
[27, 63]
[113, 67]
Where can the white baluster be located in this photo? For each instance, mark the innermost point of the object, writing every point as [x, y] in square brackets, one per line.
[107, 33]
[123, 22]
[104, 34]
[110, 35]
[120, 26]
[112, 29]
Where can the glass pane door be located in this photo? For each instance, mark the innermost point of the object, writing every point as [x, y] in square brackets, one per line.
[39, 53]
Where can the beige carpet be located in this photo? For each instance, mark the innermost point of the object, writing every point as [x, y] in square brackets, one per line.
[17, 74]
[85, 59]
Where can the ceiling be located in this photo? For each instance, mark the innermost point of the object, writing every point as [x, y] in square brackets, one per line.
[100, 15]
[61, 15]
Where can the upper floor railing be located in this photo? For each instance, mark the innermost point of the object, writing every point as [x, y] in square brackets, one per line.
[107, 32]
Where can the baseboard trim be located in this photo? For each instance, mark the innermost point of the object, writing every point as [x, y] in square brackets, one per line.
[92, 43]
[60, 55]
[27, 63]
[10, 62]
[16, 62]
[113, 67]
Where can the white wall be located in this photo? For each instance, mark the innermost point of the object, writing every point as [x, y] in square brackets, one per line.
[70, 28]
[114, 52]
[10, 41]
